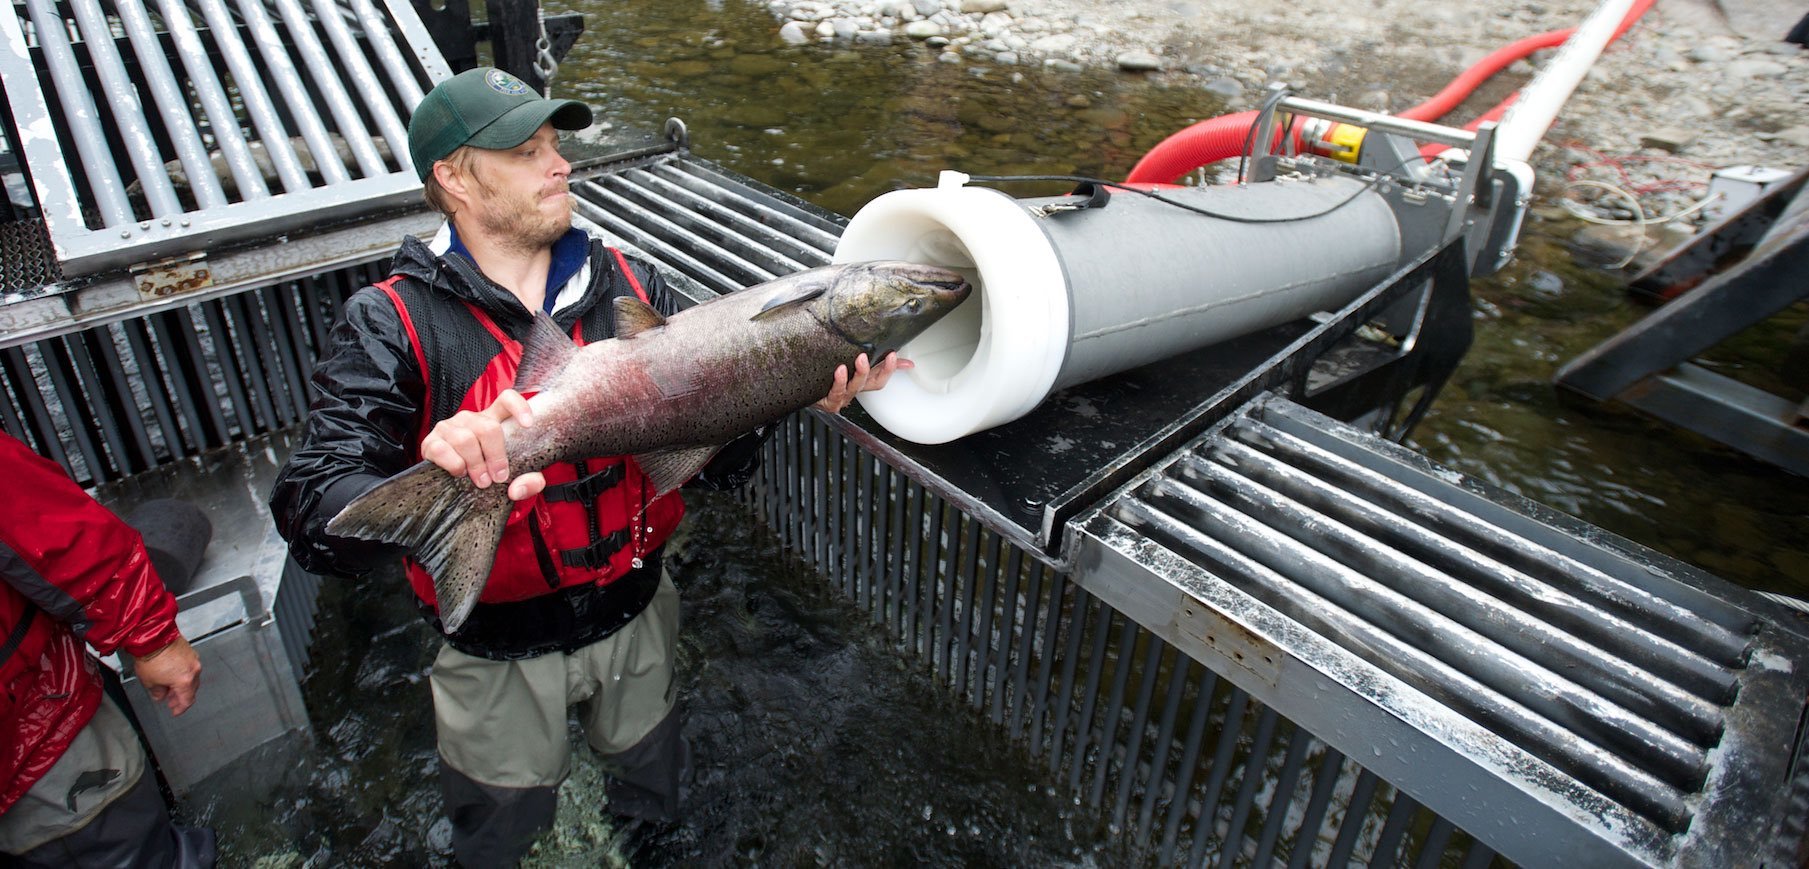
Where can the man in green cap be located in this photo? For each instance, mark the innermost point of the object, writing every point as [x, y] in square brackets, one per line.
[577, 609]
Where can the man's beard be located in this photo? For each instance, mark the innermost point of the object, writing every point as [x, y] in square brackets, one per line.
[514, 221]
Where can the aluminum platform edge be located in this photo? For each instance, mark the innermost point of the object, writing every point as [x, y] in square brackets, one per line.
[1563, 695]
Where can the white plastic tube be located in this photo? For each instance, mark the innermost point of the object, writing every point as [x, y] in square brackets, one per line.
[1532, 114]
[997, 355]
[1064, 296]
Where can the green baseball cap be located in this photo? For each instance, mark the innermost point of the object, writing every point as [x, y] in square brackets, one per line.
[483, 108]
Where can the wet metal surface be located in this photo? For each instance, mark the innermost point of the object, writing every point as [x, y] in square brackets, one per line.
[1183, 764]
[1566, 695]
[153, 158]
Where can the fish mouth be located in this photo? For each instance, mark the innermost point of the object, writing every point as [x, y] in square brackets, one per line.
[941, 281]
[951, 293]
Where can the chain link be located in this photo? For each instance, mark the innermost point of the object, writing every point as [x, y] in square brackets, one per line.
[545, 65]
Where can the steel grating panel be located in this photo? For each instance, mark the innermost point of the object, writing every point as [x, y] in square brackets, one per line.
[267, 117]
[26, 259]
[1565, 694]
[1189, 767]
[122, 397]
[719, 231]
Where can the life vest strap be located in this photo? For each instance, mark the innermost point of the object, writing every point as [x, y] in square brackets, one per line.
[598, 553]
[586, 489]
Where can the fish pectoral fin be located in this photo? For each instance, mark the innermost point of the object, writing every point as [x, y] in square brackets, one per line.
[670, 469]
[543, 355]
[798, 293]
[634, 316]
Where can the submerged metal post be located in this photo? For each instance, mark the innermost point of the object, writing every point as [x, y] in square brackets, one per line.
[514, 27]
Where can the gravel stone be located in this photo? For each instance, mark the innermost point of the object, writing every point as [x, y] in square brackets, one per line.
[1716, 70]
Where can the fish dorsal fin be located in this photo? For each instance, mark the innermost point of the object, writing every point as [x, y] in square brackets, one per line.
[796, 295]
[543, 355]
[670, 469]
[634, 316]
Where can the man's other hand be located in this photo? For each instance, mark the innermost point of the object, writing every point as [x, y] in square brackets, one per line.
[171, 675]
[866, 378]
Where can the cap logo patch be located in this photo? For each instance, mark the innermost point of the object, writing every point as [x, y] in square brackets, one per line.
[504, 83]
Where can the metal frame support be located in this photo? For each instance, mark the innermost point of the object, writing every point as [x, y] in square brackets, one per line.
[514, 26]
[1735, 235]
[1646, 365]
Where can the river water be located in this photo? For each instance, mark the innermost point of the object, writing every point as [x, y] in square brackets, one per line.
[817, 742]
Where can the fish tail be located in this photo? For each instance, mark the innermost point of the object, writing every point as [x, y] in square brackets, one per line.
[447, 524]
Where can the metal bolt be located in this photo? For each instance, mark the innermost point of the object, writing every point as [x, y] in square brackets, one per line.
[125, 233]
[166, 221]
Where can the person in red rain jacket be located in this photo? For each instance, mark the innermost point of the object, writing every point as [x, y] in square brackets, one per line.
[74, 785]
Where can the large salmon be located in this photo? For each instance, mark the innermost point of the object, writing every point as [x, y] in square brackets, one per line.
[668, 391]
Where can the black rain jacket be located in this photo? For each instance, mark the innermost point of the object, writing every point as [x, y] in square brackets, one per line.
[365, 413]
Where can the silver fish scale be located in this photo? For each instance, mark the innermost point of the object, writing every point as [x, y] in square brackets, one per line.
[625, 396]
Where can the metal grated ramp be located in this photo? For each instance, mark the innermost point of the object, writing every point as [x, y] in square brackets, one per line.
[1563, 695]
[150, 129]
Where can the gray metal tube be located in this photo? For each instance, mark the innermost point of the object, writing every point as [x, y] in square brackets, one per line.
[376, 32]
[275, 53]
[1147, 280]
[257, 100]
[321, 68]
[1210, 522]
[1516, 612]
[1475, 633]
[365, 79]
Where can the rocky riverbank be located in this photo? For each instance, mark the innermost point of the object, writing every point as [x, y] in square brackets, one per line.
[1696, 85]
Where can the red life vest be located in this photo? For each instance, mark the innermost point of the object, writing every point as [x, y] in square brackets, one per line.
[597, 517]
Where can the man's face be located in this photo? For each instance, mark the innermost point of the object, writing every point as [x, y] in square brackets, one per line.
[520, 196]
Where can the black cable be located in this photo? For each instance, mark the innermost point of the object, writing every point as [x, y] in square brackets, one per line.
[1249, 150]
[1082, 179]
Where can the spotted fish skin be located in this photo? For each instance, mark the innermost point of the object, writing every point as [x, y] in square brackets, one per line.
[669, 391]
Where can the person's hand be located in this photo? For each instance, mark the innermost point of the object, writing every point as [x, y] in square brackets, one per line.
[866, 378]
[471, 443]
[171, 675]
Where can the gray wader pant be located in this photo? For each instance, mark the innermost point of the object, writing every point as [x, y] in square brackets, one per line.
[99, 806]
[504, 744]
